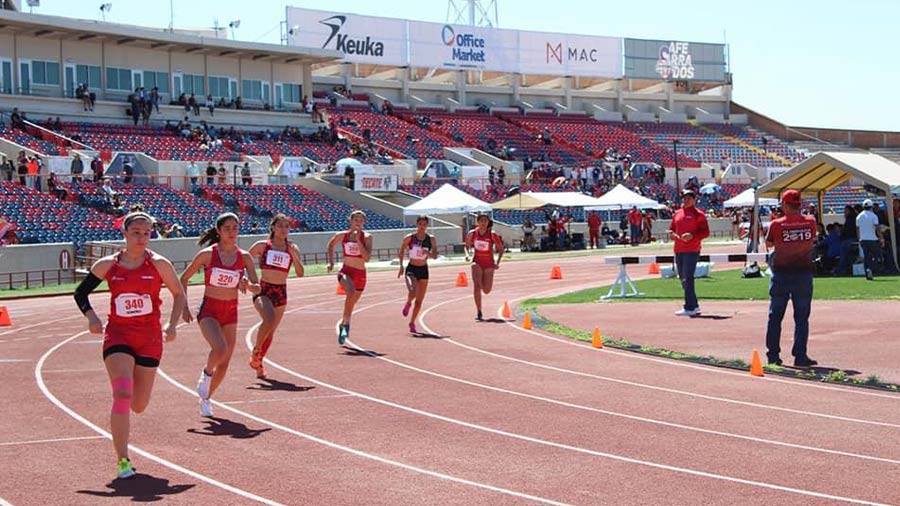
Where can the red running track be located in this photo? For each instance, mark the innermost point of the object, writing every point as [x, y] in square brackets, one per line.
[479, 413]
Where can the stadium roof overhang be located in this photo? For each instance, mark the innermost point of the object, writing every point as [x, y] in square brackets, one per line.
[56, 27]
[824, 171]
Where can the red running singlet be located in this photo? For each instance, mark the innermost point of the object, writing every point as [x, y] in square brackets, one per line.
[274, 259]
[134, 294]
[224, 276]
[484, 248]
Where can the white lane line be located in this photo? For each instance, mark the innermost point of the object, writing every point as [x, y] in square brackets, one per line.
[359, 453]
[13, 360]
[39, 324]
[171, 465]
[586, 451]
[94, 369]
[56, 440]
[652, 387]
[288, 399]
[4, 502]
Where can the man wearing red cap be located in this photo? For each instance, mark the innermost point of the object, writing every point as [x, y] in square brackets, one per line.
[689, 227]
[793, 239]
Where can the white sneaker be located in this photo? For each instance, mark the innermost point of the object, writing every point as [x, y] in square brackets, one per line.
[203, 385]
[686, 312]
[205, 408]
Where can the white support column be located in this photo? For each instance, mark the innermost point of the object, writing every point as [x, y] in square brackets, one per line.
[461, 84]
[404, 84]
[306, 80]
[567, 90]
[516, 81]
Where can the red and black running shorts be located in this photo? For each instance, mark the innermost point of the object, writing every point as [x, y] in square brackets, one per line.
[144, 343]
[223, 311]
[358, 276]
[277, 294]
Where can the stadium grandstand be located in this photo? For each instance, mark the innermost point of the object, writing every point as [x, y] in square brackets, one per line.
[190, 125]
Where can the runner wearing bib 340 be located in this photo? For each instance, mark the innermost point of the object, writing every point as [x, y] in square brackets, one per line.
[421, 246]
[224, 265]
[483, 242]
[276, 256]
[133, 341]
[356, 246]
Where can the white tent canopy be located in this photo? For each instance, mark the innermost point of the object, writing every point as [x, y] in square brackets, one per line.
[623, 198]
[824, 171]
[535, 200]
[447, 199]
[746, 198]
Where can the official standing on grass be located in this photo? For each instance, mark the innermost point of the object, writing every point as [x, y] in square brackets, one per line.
[689, 227]
[793, 239]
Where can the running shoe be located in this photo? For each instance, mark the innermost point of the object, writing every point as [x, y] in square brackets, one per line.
[412, 328]
[124, 469]
[406, 308]
[686, 312]
[479, 317]
[205, 408]
[203, 385]
[256, 362]
[344, 333]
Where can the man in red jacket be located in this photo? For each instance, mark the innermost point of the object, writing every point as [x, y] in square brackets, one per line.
[689, 227]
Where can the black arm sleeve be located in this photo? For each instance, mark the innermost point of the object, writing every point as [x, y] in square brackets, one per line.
[84, 289]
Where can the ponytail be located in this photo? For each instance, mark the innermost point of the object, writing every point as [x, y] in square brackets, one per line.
[275, 219]
[211, 236]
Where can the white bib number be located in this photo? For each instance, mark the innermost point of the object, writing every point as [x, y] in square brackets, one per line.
[224, 278]
[129, 305]
[418, 253]
[351, 249]
[278, 259]
[482, 245]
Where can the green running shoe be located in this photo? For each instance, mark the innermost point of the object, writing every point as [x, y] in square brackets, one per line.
[125, 469]
[343, 334]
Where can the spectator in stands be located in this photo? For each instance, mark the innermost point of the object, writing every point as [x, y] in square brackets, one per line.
[791, 237]
[127, 172]
[870, 238]
[82, 93]
[17, 119]
[501, 176]
[8, 168]
[54, 188]
[246, 178]
[594, 223]
[32, 169]
[222, 174]
[688, 229]
[76, 168]
[193, 105]
[154, 98]
[135, 108]
[193, 173]
[211, 105]
[97, 169]
[492, 175]
[210, 173]
[238, 103]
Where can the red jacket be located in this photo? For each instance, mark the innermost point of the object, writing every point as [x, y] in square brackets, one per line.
[689, 219]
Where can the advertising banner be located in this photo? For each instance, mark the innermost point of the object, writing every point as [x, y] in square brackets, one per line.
[362, 39]
[676, 61]
[544, 53]
[366, 178]
[462, 47]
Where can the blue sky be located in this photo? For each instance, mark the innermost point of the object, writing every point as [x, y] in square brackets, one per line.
[807, 63]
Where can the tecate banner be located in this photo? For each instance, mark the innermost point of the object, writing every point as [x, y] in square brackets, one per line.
[362, 39]
[462, 47]
[544, 53]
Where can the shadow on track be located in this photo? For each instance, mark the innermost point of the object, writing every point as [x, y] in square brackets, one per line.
[425, 335]
[272, 385]
[224, 427]
[712, 317]
[353, 352]
[140, 488]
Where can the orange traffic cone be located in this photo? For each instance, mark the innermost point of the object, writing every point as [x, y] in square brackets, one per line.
[654, 268]
[461, 279]
[526, 323]
[597, 339]
[340, 289]
[756, 368]
[5, 321]
[555, 272]
[506, 312]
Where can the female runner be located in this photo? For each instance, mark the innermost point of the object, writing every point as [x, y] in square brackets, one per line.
[132, 342]
[224, 265]
[421, 246]
[356, 246]
[275, 258]
[484, 242]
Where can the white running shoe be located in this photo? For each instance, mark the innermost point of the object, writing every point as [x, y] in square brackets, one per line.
[203, 385]
[205, 408]
[686, 312]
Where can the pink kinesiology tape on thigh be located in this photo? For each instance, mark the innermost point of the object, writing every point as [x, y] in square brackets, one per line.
[122, 390]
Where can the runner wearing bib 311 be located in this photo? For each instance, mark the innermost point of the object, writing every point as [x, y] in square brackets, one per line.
[133, 341]
[421, 247]
[276, 256]
[356, 246]
[224, 265]
[483, 242]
